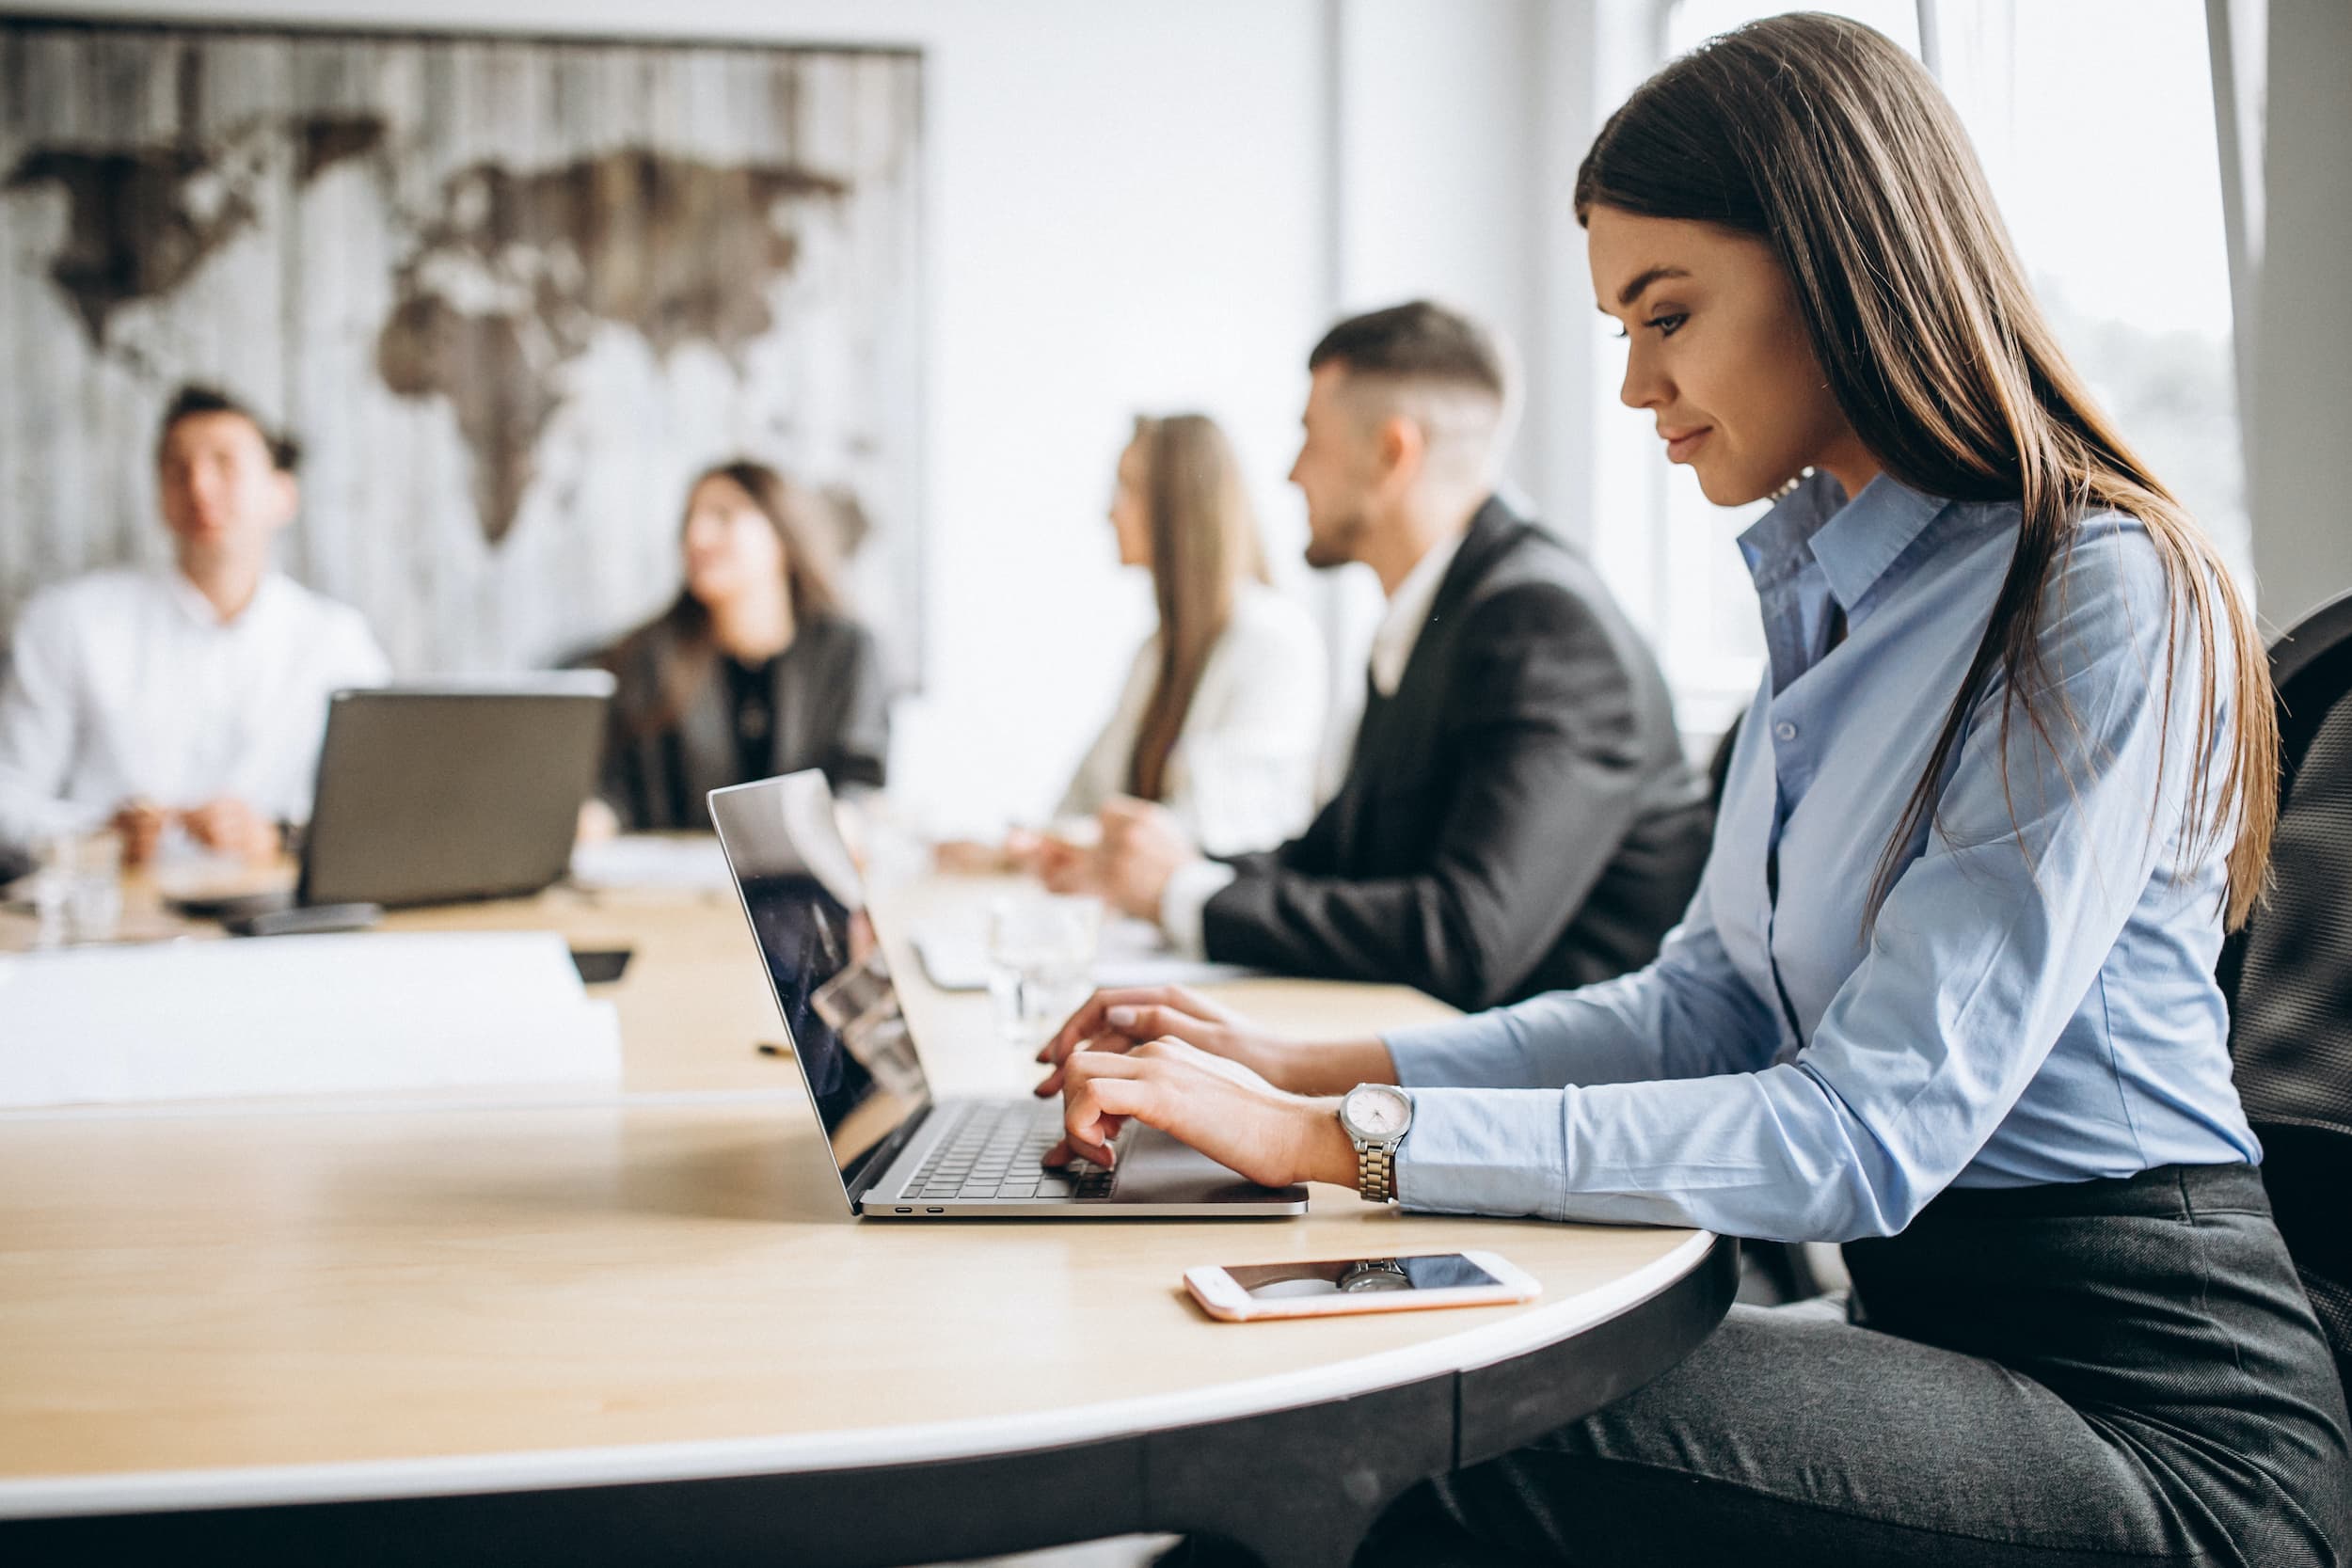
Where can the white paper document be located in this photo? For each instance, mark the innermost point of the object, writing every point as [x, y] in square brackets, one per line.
[298, 1015]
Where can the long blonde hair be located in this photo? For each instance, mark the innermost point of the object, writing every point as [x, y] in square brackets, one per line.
[1204, 542]
[1831, 144]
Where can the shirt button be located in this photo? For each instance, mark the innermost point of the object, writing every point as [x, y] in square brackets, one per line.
[1785, 730]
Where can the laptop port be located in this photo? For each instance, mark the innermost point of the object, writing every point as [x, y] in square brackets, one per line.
[905, 1210]
[934, 1211]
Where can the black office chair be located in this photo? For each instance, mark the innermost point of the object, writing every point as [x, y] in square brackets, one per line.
[2288, 975]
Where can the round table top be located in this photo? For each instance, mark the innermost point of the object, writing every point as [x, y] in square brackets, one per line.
[370, 1296]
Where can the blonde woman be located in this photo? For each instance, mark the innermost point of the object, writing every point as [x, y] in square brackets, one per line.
[1221, 716]
[1222, 713]
[1946, 993]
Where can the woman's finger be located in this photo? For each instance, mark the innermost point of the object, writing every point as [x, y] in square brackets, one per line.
[1069, 1149]
[1191, 1001]
[1112, 1042]
[1094, 1109]
[1087, 1020]
[1143, 1021]
[1094, 1115]
[1091, 1017]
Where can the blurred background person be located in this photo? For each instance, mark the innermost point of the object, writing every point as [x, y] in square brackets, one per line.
[756, 669]
[1517, 813]
[1221, 719]
[193, 696]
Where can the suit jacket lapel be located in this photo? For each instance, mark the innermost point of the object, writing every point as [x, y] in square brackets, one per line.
[1420, 693]
[1364, 764]
[1395, 729]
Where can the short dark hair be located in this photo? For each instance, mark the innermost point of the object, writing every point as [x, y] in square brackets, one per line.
[1418, 341]
[196, 399]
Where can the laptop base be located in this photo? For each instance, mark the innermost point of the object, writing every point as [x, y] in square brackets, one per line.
[1156, 1177]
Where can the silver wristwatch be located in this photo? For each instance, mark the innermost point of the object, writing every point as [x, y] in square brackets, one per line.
[1376, 1117]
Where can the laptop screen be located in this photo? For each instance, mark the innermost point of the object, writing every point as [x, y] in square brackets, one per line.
[806, 905]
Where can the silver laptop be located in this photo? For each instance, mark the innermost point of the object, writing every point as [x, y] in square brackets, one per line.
[901, 1152]
[437, 793]
[443, 792]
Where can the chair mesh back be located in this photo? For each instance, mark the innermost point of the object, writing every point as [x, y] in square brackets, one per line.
[2292, 1031]
[2291, 992]
[2333, 1303]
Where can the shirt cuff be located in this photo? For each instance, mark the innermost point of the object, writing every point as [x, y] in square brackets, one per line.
[24, 830]
[1184, 900]
[1419, 1053]
[1484, 1151]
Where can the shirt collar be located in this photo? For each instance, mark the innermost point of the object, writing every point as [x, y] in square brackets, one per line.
[1394, 640]
[1854, 542]
[189, 600]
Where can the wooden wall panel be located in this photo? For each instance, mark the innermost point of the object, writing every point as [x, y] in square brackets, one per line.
[510, 293]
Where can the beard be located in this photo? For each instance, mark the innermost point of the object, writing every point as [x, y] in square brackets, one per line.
[1336, 544]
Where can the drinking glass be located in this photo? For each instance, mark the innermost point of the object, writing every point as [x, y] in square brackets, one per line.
[1041, 949]
[77, 888]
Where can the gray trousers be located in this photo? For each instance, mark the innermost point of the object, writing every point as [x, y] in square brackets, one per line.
[2118, 1372]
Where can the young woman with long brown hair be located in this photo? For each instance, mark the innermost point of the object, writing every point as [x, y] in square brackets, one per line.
[756, 669]
[1946, 993]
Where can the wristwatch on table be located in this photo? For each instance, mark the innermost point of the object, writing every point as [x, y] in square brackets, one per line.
[1375, 1273]
[1376, 1117]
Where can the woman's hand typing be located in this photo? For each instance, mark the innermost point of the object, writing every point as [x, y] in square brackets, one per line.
[1211, 1103]
[1119, 1021]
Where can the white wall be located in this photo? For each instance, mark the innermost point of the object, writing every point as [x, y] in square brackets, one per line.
[1456, 130]
[2299, 462]
[1434, 135]
[1124, 214]
[1151, 204]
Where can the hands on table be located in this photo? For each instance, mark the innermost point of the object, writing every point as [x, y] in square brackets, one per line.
[227, 825]
[1208, 1076]
[1062, 856]
[1139, 845]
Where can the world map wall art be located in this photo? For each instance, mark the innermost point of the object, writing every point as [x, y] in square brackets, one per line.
[510, 294]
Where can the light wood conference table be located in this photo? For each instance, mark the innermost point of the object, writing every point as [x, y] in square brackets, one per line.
[641, 1326]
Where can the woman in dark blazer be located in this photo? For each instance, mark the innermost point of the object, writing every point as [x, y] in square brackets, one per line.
[755, 670]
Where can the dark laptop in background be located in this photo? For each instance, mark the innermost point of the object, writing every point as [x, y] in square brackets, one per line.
[900, 1153]
[437, 794]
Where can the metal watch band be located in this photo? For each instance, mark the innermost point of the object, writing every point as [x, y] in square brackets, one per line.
[1376, 1172]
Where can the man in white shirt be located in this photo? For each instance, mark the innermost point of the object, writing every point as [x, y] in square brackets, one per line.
[194, 696]
[1517, 815]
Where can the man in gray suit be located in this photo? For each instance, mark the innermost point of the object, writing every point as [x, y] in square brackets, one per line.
[1517, 815]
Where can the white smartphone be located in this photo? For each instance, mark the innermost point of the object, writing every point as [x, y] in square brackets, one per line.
[1241, 1293]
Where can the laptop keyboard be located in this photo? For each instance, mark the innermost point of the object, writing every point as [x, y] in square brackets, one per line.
[991, 1151]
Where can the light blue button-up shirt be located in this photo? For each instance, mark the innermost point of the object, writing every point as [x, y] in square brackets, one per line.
[2036, 1002]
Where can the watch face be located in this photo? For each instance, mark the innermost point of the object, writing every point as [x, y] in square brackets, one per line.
[1362, 1277]
[1376, 1113]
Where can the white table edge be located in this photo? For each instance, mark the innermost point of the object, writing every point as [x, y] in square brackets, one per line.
[548, 1469]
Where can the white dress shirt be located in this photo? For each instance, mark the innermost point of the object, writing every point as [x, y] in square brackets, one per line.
[1399, 631]
[126, 684]
[1242, 774]
[1191, 886]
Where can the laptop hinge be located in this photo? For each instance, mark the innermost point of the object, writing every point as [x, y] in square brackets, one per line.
[886, 1154]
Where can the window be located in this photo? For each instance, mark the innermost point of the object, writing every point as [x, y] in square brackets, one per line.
[2094, 121]
[2095, 124]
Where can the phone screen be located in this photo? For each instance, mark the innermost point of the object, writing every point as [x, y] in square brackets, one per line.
[1437, 1270]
